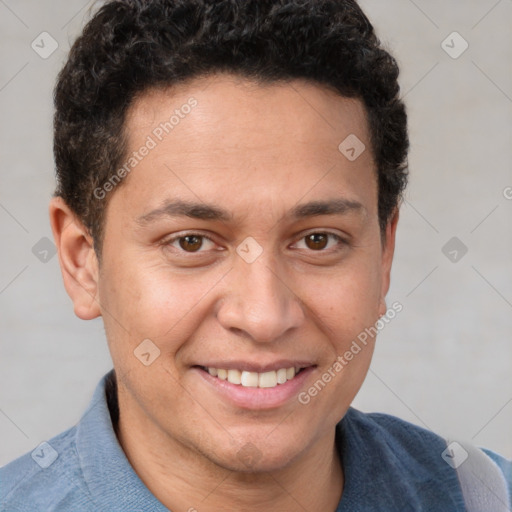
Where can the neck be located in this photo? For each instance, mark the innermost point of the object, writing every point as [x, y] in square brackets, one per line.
[182, 479]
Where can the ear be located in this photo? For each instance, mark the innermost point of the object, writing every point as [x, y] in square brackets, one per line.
[78, 262]
[388, 250]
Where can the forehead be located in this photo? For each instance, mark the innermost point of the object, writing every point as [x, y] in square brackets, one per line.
[296, 110]
[230, 136]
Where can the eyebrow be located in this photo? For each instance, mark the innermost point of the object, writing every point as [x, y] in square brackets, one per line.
[330, 207]
[203, 211]
[181, 208]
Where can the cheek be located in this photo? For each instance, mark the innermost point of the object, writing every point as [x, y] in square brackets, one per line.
[347, 301]
[151, 302]
[346, 305]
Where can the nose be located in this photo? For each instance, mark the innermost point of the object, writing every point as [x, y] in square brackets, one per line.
[259, 302]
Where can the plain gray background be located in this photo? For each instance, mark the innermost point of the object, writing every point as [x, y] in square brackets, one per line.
[444, 362]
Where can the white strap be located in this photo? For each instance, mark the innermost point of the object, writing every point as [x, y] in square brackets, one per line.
[483, 484]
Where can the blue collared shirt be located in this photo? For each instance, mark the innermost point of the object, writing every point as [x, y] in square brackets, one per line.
[389, 465]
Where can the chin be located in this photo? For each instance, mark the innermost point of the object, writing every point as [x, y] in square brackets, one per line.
[250, 460]
[257, 454]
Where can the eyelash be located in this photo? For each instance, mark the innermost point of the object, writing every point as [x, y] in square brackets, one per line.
[341, 241]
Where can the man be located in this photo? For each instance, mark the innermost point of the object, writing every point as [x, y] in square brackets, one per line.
[229, 180]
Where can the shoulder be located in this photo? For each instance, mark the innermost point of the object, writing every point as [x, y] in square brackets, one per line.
[417, 451]
[50, 475]
[412, 439]
[409, 452]
[504, 464]
[387, 430]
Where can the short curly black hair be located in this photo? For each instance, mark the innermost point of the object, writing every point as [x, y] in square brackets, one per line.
[130, 46]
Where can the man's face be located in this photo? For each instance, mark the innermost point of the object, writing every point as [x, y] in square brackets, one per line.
[279, 265]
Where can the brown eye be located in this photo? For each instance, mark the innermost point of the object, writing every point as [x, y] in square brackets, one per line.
[317, 241]
[191, 243]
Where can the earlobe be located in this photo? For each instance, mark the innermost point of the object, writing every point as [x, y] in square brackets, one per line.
[382, 307]
[78, 262]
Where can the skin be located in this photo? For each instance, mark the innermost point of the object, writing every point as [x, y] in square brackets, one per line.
[257, 152]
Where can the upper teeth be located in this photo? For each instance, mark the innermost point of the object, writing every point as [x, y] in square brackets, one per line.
[255, 379]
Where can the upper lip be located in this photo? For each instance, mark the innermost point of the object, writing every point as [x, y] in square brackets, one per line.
[258, 367]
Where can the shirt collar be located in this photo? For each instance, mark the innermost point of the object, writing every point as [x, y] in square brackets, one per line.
[381, 471]
[390, 464]
[111, 480]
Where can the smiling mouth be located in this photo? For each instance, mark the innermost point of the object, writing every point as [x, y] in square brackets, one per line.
[270, 379]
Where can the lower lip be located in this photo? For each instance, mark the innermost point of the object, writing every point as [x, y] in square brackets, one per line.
[256, 398]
